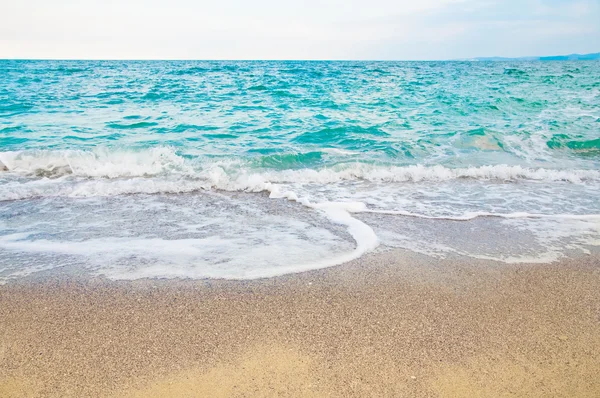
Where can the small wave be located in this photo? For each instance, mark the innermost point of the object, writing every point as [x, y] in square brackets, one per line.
[275, 168]
[181, 128]
[290, 160]
[70, 71]
[98, 163]
[220, 136]
[468, 216]
[338, 134]
[515, 72]
[337, 151]
[419, 173]
[139, 125]
[15, 109]
[583, 147]
[196, 70]
[258, 88]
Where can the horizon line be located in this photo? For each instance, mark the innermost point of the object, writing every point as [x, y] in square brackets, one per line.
[470, 59]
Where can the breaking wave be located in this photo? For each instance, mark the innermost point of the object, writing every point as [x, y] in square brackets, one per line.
[165, 161]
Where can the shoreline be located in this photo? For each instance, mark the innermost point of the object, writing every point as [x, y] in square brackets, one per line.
[387, 324]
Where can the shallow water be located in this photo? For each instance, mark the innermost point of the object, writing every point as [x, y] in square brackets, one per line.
[254, 169]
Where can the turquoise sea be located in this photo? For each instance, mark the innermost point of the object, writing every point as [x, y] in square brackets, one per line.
[218, 169]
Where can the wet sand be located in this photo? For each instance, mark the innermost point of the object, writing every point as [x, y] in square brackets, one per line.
[388, 325]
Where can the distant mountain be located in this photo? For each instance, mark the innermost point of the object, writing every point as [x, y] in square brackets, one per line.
[570, 57]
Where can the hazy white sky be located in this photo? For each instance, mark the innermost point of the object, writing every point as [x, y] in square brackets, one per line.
[309, 29]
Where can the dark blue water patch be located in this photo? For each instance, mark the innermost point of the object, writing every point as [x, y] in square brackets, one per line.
[258, 88]
[378, 71]
[515, 72]
[132, 117]
[70, 71]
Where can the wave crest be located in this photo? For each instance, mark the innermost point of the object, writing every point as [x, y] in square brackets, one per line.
[239, 175]
[100, 163]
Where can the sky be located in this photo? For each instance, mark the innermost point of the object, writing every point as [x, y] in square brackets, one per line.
[308, 29]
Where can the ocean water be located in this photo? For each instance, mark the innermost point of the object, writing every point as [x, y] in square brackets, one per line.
[255, 169]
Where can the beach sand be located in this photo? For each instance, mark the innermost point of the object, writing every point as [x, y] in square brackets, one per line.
[391, 324]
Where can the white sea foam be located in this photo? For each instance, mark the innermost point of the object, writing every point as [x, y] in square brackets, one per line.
[337, 151]
[193, 239]
[165, 161]
[418, 173]
[339, 192]
[101, 162]
[467, 216]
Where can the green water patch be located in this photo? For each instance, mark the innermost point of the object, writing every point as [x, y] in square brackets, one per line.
[290, 160]
[583, 147]
[478, 131]
[589, 145]
[338, 134]
[263, 151]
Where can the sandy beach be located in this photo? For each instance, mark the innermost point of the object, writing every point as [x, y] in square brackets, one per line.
[388, 325]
